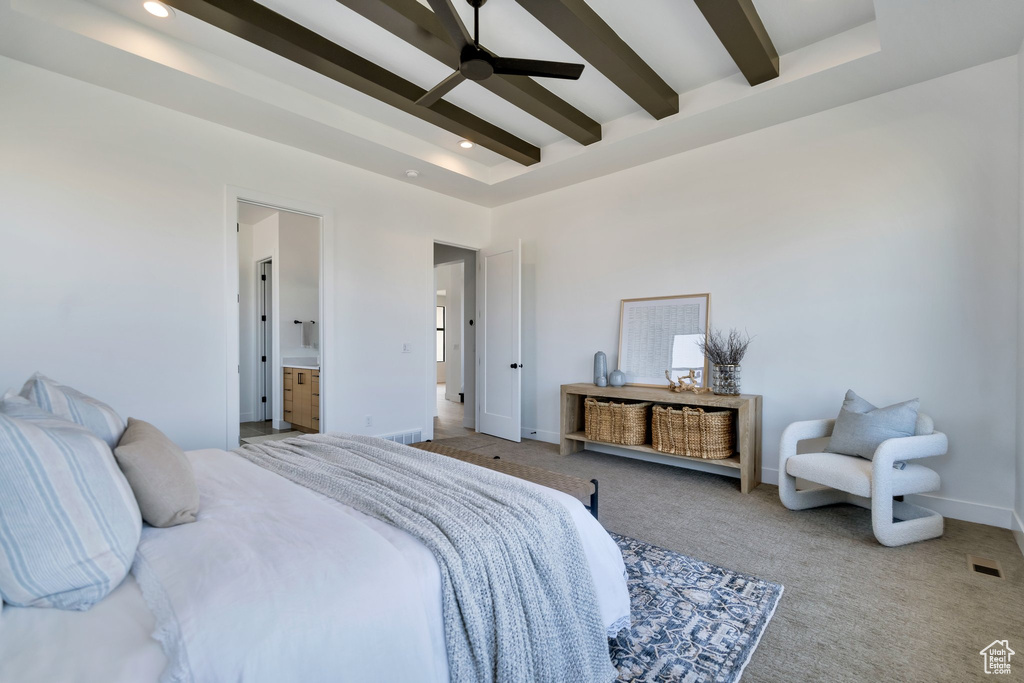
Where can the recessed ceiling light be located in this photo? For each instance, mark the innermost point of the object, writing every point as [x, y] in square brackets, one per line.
[466, 144]
[157, 9]
[412, 174]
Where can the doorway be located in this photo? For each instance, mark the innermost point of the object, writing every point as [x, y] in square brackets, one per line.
[280, 306]
[454, 333]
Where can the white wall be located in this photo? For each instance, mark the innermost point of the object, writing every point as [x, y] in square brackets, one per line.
[298, 277]
[873, 247]
[120, 205]
[247, 343]
[256, 242]
[266, 238]
[1018, 521]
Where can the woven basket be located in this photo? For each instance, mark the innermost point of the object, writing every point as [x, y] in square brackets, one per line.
[621, 423]
[692, 432]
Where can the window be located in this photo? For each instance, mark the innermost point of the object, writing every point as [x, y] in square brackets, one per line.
[440, 334]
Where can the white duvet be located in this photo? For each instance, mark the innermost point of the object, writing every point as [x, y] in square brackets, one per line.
[273, 582]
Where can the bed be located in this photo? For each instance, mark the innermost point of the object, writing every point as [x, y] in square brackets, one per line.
[278, 582]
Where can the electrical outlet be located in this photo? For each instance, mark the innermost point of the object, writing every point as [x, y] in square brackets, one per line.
[369, 420]
[406, 347]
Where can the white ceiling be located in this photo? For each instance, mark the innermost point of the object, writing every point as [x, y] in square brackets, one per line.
[833, 51]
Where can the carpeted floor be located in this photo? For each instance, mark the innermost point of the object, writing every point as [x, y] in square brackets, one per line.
[853, 610]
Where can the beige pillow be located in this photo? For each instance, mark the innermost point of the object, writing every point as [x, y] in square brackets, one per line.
[159, 473]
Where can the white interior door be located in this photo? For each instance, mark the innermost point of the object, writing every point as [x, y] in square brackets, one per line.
[267, 339]
[499, 341]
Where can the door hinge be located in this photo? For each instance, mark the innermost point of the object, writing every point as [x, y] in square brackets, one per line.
[263, 318]
[264, 359]
[263, 276]
[264, 399]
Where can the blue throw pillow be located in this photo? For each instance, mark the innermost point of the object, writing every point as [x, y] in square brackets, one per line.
[73, 405]
[861, 427]
[69, 523]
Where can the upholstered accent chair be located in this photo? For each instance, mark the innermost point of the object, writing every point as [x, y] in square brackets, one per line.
[870, 484]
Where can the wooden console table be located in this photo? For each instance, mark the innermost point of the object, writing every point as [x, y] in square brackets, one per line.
[747, 459]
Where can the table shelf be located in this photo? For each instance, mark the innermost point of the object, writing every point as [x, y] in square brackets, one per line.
[731, 461]
[747, 408]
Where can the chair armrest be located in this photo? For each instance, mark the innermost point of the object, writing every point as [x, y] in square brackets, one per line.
[908, 448]
[799, 431]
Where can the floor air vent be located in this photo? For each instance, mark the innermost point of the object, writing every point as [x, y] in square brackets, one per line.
[405, 437]
[981, 565]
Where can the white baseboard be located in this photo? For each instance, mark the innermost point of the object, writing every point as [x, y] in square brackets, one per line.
[541, 435]
[967, 511]
[246, 417]
[1018, 530]
[964, 510]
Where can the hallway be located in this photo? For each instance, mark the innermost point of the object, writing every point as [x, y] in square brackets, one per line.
[448, 423]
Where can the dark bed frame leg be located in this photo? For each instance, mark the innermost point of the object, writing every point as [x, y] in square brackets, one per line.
[593, 499]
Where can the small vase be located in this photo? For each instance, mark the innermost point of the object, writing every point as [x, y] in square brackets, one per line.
[725, 380]
[617, 378]
[600, 369]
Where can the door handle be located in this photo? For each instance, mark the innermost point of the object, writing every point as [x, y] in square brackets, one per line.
[516, 366]
[300, 378]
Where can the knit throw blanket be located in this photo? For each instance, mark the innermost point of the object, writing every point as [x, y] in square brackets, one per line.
[518, 597]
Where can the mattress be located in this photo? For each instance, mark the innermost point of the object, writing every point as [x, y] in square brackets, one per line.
[113, 643]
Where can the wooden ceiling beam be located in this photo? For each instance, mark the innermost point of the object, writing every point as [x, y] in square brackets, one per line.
[261, 26]
[584, 31]
[738, 26]
[418, 26]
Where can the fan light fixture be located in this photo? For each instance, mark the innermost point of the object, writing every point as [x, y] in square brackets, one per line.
[157, 9]
[476, 63]
[466, 144]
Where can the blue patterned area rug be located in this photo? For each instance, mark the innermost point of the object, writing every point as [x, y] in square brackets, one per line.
[692, 621]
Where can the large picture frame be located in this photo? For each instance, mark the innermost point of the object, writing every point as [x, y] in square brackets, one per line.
[661, 333]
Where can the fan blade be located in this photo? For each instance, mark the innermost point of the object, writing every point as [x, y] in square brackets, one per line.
[451, 22]
[440, 90]
[536, 67]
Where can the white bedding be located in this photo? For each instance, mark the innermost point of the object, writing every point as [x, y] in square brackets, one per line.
[366, 600]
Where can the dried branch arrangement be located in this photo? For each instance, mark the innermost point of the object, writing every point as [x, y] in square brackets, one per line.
[725, 349]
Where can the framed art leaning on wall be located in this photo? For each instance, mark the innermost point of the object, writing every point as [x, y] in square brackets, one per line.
[661, 333]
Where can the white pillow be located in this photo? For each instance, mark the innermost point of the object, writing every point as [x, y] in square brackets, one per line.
[71, 404]
[70, 524]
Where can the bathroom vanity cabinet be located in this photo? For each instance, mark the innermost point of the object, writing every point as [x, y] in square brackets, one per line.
[302, 398]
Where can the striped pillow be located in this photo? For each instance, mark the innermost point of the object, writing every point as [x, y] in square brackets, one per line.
[69, 525]
[70, 404]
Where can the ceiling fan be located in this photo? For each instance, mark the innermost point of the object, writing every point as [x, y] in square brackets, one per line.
[477, 64]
